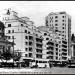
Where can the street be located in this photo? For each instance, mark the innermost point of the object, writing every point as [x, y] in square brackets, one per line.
[53, 70]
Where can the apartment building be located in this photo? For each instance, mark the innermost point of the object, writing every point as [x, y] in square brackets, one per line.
[52, 45]
[27, 38]
[5, 45]
[61, 22]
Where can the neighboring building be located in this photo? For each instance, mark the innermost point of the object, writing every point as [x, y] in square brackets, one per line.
[72, 57]
[5, 45]
[61, 21]
[55, 49]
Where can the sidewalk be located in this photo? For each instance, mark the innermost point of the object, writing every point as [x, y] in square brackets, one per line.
[53, 70]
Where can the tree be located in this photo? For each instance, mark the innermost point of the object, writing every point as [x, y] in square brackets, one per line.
[6, 55]
[17, 56]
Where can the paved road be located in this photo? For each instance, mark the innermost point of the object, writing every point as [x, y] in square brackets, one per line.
[54, 70]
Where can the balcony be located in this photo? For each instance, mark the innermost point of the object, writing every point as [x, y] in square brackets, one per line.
[39, 45]
[64, 42]
[64, 46]
[39, 50]
[49, 57]
[64, 54]
[49, 52]
[56, 45]
[39, 40]
[50, 48]
[30, 43]
[50, 43]
[64, 58]
[30, 49]
[65, 50]
[31, 38]
[39, 56]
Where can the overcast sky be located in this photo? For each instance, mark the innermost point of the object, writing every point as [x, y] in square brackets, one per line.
[38, 10]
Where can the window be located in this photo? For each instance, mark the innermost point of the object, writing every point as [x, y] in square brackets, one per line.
[9, 31]
[56, 57]
[62, 27]
[47, 38]
[30, 54]
[56, 20]
[9, 25]
[63, 20]
[25, 31]
[45, 33]
[63, 24]
[26, 49]
[26, 37]
[56, 16]
[56, 49]
[56, 24]
[63, 16]
[27, 26]
[28, 32]
[21, 24]
[12, 37]
[62, 31]
[30, 48]
[56, 53]
[25, 55]
[26, 43]
[12, 31]
[8, 37]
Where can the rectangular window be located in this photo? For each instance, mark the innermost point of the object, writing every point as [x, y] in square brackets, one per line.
[62, 27]
[47, 38]
[62, 16]
[26, 37]
[12, 31]
[21, 24]
[28, 32]
[26, 43]
[56, 20]
[26, 49]
[63, 20]
[12, 37]
[25, 55]
[9, 25]
[8, 37]
[56, 24]
[45, 33]
[56, 16]
[25, 31]
[9, 31]
[30, 54]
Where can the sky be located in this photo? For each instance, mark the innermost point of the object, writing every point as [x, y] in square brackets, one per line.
[38, 10]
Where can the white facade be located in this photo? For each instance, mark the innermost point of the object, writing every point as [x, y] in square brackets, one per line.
[61, 21]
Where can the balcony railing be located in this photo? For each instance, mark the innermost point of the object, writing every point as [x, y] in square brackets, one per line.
[49, 57]
[64, 46]
[50, 48]
[65, 50]
[64, 42]
[50, 43]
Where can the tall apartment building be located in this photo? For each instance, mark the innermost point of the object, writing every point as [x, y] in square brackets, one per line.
[27, 38]
[61, 22]
[54, 48]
